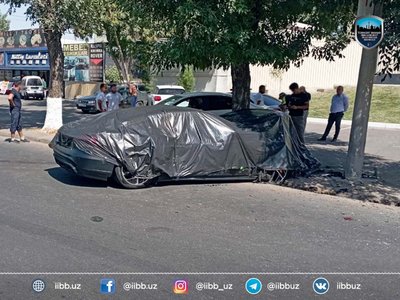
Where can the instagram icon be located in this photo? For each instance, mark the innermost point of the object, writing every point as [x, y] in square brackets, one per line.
[181, 287]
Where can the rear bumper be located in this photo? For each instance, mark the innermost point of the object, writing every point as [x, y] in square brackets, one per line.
[82, 164]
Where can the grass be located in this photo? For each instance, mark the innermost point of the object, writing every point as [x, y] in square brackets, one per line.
[385, 104]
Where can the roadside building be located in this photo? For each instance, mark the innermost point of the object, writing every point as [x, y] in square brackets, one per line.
[22, 53]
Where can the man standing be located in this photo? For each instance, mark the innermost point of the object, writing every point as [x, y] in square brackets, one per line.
[340, 104]
[114, 98]
[101, 101]
[258, 99]
[14, 99]
[305, 116]
[297, 103]
[133, 94]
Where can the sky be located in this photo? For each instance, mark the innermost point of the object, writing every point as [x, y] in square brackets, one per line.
[18, 21]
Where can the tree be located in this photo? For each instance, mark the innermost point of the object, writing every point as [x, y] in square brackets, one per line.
[236, 33]
[128, 39]
[4, 23]
[186, 79]
[389, 61]
[55, 17]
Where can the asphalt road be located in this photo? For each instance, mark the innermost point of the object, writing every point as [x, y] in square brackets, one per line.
[46, 225]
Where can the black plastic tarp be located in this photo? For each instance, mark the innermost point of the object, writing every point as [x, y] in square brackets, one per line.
[183, 142]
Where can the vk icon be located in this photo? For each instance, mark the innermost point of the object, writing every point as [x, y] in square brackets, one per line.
[253, 286]
[321, 286]
[107, 286]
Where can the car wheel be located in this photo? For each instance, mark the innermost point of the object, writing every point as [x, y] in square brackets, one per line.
[124, 178]
[140, 103]
[26, 97]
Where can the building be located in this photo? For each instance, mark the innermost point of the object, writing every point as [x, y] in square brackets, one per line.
[23, 52]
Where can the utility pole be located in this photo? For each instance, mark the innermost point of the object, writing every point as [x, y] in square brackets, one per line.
[358, 135]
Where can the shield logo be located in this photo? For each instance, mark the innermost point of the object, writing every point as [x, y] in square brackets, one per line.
[369, 31]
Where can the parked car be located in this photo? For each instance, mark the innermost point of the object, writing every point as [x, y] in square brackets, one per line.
[267, 99]
[32, 87]
[138, 147]
[163, 92]
[211, 101]
[89, 104]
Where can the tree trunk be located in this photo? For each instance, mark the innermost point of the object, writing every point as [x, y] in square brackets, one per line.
[240, 86]
[362, 104]
[56, 87]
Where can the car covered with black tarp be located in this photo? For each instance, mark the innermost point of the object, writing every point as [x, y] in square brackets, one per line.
[138, 147]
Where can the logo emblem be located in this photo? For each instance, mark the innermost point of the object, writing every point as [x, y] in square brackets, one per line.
[107, 286]
[38, 285]
[253, 286]
[321, 286]
[181, 287]
[369, 31]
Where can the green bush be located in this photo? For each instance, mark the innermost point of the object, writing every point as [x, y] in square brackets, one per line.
[186, 79]
[112, 74]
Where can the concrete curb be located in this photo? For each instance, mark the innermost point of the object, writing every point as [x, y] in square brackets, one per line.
[348, 122]
[29, 137]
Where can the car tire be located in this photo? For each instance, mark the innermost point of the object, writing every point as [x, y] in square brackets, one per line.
[139, 103]
[26, 97]
[121, 177]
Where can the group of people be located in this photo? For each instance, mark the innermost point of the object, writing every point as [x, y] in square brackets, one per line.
[112, 100]
[298, 104]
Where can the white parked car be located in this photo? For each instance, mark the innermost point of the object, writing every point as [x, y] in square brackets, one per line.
[32, 87]
[163, 92]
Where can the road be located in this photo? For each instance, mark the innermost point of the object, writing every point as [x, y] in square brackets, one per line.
[47, 224]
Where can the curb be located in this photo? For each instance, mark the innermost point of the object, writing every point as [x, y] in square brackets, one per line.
[348, 122]
[31, 138]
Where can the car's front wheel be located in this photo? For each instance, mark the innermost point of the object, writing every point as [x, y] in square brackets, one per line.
[124, 178]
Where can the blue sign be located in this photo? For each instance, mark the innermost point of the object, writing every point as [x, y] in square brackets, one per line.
[369, 31]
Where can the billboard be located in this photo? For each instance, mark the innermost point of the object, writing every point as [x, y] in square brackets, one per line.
[27, 38]
[83, 62]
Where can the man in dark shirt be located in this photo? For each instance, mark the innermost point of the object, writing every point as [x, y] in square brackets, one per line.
[297, 103]
[305, 116]
[14, 98]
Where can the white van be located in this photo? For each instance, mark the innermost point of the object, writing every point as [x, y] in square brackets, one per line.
[32, 87]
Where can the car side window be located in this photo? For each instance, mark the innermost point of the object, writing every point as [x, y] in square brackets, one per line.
[219, 103]
[184, 103]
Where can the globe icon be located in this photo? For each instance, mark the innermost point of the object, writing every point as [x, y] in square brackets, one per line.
[38, 285]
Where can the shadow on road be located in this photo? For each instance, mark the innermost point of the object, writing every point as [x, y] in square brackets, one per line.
[68, 178]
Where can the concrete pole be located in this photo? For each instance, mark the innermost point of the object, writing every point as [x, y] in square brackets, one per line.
[358, 135]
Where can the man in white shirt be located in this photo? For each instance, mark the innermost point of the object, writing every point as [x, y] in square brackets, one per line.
[113, 98]
[258, 99]
[339, 105]
[101, 101]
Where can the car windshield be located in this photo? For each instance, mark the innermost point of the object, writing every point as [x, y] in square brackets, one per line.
[171, 100]
[170, 91]
[34, 82]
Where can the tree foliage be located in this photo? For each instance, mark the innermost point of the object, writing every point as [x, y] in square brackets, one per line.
[4, 23]
[389, 50]
[236, 33]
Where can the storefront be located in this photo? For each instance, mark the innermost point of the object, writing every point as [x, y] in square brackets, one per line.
[22, 53]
